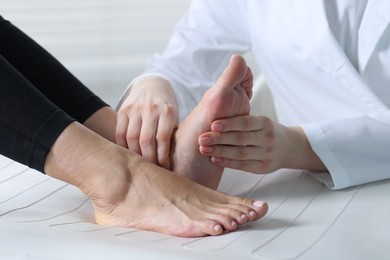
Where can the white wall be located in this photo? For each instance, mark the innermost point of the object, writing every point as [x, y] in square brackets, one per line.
[105, 43]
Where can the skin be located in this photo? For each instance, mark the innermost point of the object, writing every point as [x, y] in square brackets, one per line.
[228, 97]
[130, 191]
[250, 143]
[147, 119]
[259, 145]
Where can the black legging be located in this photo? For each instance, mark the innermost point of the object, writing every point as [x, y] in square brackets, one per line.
[39, 98]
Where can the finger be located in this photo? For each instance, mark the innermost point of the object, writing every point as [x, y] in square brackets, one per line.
[240, 123]
[133, 134]
[147, 140]
[247, 83]
[166, 125]
[239, 153]
[231, 138]
[254, 166]
[121, 129]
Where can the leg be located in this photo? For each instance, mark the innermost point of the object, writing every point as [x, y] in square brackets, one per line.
[228, 97]
[46, 73]
[35, 89]
[29, 122]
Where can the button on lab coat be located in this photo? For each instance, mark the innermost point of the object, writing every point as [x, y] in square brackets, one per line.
[343, 109]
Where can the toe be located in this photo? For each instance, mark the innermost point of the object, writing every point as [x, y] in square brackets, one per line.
[228, 223]
[234, 73]
[211, 227]
[253, 209]
[239, 213]
[261, 208]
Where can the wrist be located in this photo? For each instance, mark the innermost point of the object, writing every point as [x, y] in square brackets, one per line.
[300, 153]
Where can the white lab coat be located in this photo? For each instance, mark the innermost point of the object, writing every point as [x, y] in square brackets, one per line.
[343, 110]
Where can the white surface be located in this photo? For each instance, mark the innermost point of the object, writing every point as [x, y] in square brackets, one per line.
[42, 218]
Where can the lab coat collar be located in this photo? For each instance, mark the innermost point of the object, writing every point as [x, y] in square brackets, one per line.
[375, 21]
[318, 35]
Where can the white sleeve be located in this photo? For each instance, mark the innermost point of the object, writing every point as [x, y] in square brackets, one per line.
[200, 48]
[355, 150]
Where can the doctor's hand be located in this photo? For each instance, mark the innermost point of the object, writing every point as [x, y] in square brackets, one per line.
[257, 144]
[147, 118]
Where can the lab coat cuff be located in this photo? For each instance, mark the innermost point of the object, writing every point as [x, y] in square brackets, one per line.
[336, 178]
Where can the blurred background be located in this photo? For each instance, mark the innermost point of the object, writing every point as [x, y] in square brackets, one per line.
[105, 43]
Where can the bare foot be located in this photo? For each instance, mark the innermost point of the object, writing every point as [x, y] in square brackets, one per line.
[228, 97]
[129, 191]
[156, 199]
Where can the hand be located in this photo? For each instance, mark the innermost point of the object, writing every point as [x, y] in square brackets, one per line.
[147, 118]
[257, 144]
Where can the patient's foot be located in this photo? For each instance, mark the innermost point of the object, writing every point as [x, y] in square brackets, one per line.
[152, 198]
[228, 97]
[129, 191]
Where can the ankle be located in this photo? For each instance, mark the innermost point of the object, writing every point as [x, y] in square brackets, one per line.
[86, 160]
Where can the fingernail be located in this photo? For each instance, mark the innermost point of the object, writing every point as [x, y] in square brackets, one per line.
[217, 160]
[217, 127]
[205, 140]
[207, 149]
[258, 203]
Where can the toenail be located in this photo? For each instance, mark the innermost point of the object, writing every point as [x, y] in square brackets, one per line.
[258, 204]
[252, 213]
[234, 224]
[243, 217]
[217, 228]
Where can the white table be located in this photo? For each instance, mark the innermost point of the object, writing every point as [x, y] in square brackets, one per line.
[42, 218]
